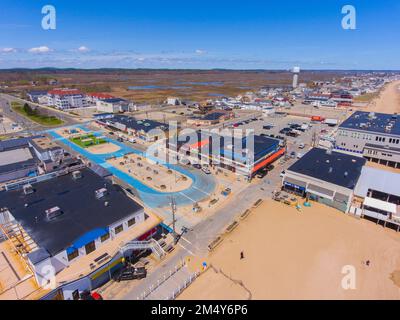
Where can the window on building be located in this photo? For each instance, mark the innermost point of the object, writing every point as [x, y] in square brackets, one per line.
[119, 229]
[105, 237]
[90, 247]
[131, 222]
[72, 255]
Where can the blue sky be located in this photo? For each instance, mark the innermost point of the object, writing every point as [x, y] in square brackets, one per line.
[201, 34]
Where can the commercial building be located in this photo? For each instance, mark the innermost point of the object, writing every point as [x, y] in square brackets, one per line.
[29, 157]
[66, 99]
[325, 176]
[147, 130]
[17, 160]
[71, 226]
[113, 105]
[244, 156]
[93, 97]
[212, 117]
[375, 136]
[377, 196]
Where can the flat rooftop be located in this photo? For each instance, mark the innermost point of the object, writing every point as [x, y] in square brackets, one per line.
[373, 122]
[378, 180]
[337, 168]
[226, 144]
[135, 124]
[81, 211]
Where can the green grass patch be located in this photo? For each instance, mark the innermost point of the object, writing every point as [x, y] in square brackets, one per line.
[88, 140]
[36, 116]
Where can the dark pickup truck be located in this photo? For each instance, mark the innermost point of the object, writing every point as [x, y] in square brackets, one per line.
[130, 273]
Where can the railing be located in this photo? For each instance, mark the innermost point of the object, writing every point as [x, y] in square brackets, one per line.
[161, 281]
[140, 245]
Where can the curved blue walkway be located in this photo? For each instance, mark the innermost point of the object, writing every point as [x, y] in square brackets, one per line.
[201, 187]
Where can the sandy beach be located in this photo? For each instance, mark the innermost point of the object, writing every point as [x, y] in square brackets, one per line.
[301, 255]
[388, 100]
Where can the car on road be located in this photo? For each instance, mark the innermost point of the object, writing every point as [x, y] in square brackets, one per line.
[196, 166]
[299, 155]
[282, 174]
[293, 154]
[302, 146]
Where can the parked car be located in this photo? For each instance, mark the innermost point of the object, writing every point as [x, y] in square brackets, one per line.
[299, 155]
[282, 174]
[206, 170]
[196, 166]
[293, 154]
[302, 146]
[261, 174]
[270, 167]
[130, 273]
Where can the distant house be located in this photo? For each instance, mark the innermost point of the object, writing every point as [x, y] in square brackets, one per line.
[212, 117]
[93, 97]
[66, 99]
[34, 96]
[173, 101]
[113, 105]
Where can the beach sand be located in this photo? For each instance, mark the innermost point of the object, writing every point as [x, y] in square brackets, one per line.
[388, 100]
[301, 255]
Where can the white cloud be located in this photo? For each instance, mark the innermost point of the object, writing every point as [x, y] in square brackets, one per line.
[83, 49]
[199, 51]
[8, 50]
[42, 49]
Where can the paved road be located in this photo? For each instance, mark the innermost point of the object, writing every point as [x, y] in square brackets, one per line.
[28, 125]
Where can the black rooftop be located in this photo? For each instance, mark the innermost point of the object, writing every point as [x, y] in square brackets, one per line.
[337, 168]
[373, 122]
[135, 124]
[81, 211]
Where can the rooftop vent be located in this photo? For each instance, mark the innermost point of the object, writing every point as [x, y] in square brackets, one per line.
[53, 213]
[346, 173]
[330, 170]
[76, 175]
[101, 193]
[28, 189]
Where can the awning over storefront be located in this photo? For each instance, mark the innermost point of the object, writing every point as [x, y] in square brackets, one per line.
[319, 191]
[381, 205]
[295, 183]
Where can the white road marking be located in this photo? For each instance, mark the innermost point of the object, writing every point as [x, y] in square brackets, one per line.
[186, 249]
[187, 196]
[202, 191]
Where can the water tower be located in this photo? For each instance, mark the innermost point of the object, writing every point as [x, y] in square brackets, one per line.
[295, 71]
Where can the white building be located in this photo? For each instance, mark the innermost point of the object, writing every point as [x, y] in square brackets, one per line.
[66, 99]
[113, 105]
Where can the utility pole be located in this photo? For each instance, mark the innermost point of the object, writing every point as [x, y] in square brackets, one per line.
[173, 209]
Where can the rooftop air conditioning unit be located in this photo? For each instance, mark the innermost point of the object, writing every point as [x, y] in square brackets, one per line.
[76, 175]
[101, 193]
[53, 213]
[28, 189]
